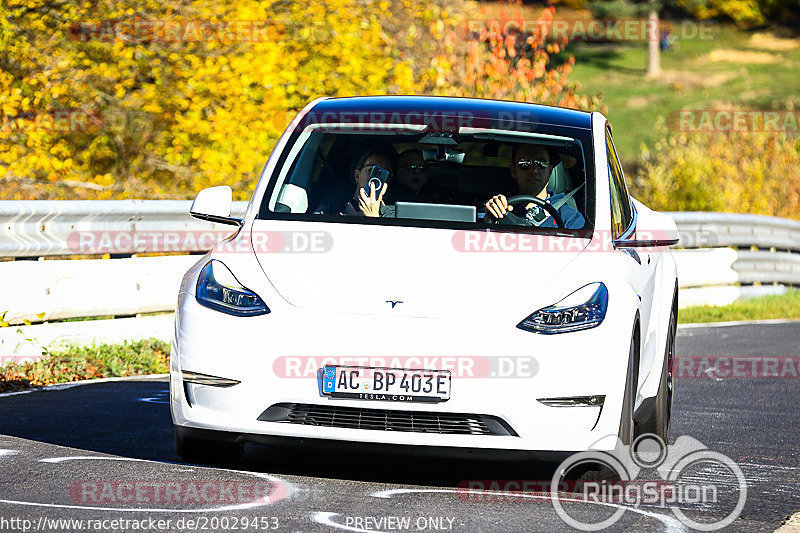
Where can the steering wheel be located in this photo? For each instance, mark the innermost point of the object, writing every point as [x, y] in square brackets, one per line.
[525, 199]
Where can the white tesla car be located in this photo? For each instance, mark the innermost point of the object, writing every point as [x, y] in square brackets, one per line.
[449, 274]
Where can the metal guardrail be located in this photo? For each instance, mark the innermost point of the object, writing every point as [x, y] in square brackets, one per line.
[763, 267]
[31, 228]
[43, 291]
[713, 230]
[761, 249]
[720, 257]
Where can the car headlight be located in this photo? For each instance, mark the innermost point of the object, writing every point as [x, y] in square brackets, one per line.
[218, 289]
[582, 309]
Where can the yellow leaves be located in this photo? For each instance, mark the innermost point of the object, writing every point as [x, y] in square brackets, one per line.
[403, 78]
[721, 171]
[105, 180]
[178, 115]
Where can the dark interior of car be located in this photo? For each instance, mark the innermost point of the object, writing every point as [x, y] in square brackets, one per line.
[467, 184]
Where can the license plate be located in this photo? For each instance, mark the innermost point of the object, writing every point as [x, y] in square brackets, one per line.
[388, 384]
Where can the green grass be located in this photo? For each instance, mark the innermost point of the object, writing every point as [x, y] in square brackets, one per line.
[617, 71]
[76, 363]
[785, 306]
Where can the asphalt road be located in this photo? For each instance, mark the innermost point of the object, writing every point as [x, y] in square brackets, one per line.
[80, 452]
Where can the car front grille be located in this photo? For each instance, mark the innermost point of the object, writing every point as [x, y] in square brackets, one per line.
[333, 416]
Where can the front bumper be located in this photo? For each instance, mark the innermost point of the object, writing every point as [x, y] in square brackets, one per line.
[301, 445]
[275, 358]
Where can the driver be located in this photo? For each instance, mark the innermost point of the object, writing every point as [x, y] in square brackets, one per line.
[531, 168]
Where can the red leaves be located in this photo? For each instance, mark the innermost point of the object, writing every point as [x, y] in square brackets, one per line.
[511, 58]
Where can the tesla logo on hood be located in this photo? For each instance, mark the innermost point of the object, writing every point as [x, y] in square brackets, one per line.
[394, 302]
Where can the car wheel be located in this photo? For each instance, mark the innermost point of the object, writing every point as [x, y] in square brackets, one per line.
[207, 450]
[658, 422]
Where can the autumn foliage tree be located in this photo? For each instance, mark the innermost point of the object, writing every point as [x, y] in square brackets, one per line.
[186, 94]
[729, 171]
[152, 99]
[509, 57]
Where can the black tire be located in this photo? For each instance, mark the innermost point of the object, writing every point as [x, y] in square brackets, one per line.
[207, 450]
[597, 472]
[658, 421]
[626, 424]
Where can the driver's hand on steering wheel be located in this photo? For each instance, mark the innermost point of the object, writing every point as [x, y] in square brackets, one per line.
[498, 206]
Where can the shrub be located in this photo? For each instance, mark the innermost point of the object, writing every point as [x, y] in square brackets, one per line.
[508, 59]
[76, 363]
[742, 172]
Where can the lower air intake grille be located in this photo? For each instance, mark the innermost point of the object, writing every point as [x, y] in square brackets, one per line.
[332, 416]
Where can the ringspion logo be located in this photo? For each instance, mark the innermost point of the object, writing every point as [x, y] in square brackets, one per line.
[703, 489]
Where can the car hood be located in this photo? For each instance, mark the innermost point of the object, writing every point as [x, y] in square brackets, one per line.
[404, 271]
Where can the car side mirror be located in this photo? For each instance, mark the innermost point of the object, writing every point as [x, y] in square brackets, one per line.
[214, 204]
[653, 229]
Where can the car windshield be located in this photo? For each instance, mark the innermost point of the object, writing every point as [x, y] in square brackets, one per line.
[435, 179]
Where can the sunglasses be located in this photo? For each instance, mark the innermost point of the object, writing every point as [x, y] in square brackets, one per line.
[525, 164]
[414, 169]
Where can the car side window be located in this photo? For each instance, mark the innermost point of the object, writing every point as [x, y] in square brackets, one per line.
[621, 212]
